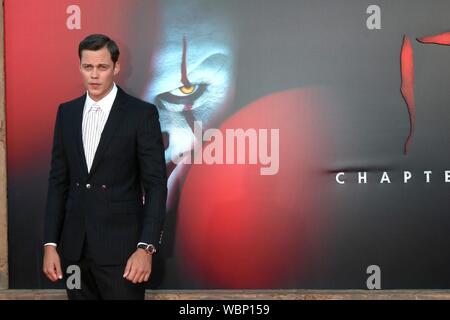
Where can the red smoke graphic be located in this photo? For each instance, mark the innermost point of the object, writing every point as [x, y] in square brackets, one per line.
[407, 87]
[442, 39]
[407, 76]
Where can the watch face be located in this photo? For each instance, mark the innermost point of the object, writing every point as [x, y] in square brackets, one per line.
[150, 249]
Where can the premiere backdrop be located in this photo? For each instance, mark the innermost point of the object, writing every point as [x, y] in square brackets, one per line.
[307, 142]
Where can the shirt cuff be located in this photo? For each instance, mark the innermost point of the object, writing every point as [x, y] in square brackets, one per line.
[50, 244]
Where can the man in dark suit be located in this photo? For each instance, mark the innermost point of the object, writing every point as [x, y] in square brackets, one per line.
[107, 185]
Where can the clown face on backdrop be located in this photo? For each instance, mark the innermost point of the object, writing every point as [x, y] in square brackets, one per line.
[192, 78]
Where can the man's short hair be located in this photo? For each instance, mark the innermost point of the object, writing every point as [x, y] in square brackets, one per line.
[98, 41]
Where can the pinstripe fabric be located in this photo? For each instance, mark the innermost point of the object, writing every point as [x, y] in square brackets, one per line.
[95, 115]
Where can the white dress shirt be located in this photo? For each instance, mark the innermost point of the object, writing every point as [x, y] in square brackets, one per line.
[92, 128]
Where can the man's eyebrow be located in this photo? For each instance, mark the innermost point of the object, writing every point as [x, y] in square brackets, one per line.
[99, 65]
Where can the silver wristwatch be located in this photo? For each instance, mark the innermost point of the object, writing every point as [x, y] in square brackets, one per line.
[149, 248]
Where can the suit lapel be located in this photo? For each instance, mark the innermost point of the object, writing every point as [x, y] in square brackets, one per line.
[114, 118]
[79, 133]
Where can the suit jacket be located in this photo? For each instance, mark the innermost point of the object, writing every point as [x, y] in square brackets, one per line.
[105, 206]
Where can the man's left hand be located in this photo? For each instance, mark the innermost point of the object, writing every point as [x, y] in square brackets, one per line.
[139, 267]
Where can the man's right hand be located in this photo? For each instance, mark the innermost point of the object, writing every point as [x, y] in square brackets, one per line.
[52, 264]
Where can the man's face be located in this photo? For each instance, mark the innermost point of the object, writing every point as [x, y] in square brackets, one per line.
[98, 71]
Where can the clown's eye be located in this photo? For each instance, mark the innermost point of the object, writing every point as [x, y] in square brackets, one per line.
[185, 95]
[185, 90]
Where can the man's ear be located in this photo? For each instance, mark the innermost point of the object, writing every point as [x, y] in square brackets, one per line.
[116, 68]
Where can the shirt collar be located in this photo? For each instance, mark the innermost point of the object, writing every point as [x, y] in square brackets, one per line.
[105, 103]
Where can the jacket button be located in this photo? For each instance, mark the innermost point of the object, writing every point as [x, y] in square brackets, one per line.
[77, 184]
[88, 186]
[104, 187]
